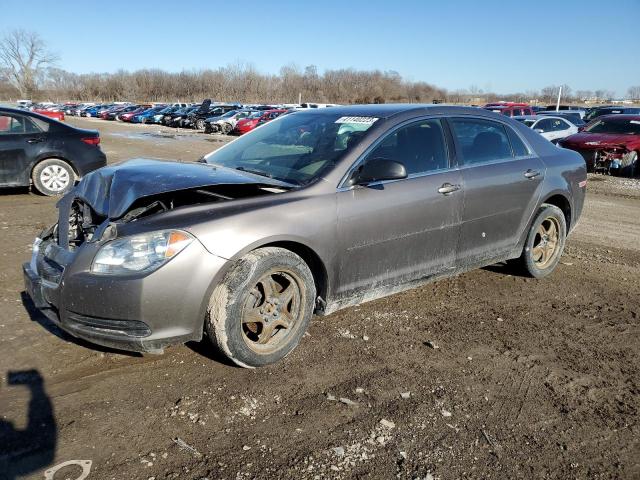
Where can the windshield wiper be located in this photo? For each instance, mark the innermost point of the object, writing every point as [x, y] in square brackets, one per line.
[255, 172]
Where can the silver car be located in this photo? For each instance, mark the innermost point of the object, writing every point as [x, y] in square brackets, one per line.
[310, 213]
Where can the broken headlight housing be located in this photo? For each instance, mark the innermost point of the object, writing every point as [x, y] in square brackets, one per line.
[140, 253]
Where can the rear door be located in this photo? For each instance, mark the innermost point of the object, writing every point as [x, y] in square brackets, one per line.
[393, 232]
[21, 139]
[501, 180]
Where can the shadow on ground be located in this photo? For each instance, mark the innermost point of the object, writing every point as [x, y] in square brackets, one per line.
[24, 451]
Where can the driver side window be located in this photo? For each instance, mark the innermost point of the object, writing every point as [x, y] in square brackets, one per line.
[419, 146]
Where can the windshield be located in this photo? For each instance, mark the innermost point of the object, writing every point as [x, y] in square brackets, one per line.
[296, 148]
[616, 126]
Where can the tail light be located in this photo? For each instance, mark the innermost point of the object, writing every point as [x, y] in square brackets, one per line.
[91, 140]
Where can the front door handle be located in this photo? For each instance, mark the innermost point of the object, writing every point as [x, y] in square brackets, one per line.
[531, 173]
[35, 140]
[448, 188]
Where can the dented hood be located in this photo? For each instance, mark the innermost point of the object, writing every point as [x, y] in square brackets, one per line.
[113, 189]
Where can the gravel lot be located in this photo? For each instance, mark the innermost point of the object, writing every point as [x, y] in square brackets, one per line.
[486, 375]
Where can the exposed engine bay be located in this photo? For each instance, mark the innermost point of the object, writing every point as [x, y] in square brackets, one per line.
[84, 223]
[609, 159]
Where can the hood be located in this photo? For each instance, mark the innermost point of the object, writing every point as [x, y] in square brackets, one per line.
[592, 140]
[113, 189]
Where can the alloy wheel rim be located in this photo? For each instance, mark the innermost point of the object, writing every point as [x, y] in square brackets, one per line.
[55, 178]
[272, 311]
[546, 243]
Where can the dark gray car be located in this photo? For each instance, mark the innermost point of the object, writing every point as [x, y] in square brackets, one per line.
[312, 212]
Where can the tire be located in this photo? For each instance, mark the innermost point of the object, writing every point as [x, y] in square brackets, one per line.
[540, 255]
[53, 176]
[629, 165]
[200, 124]
[226, 128]
[258, 287]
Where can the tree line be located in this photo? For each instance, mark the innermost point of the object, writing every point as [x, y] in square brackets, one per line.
[29, 70]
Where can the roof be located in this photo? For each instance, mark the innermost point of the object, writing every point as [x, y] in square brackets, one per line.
[619, 116]
[387, 110]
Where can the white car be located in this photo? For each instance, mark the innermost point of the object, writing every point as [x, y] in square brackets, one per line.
[227, 124]
[550, 127]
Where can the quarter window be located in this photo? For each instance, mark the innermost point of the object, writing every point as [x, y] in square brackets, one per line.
[481, 140]
[543, 125]
[518, 146]
[420, 147]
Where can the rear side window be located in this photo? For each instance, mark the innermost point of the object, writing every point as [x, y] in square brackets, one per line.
[12, 124]
[481, 140]
[420, 147]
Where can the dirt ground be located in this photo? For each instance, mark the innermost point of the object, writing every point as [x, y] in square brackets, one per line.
[486, 375]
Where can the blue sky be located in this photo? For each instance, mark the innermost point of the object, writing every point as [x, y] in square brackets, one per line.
[503, 46]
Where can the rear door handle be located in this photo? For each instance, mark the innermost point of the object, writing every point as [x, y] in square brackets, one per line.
[448, 188]
[35, 140]
[531, 173]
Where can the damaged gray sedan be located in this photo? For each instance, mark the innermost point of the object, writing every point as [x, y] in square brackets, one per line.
[309, 213]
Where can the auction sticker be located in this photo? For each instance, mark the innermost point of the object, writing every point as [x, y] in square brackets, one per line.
[359, 120]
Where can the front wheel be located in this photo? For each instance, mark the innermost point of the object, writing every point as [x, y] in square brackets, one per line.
[260, 311]
[200, 124]
[226, 128]
[545, 242]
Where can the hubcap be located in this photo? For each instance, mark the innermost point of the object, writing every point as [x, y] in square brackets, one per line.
[271, 311]
[545, 243]
[55, 178]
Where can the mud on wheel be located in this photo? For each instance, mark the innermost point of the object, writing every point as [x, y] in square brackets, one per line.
[545, 242]
[262, 308]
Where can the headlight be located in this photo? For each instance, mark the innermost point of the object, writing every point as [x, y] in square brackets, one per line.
[140, 253]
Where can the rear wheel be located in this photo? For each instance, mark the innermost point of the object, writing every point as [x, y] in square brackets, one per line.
[545, 242]
[53, 177]
[226, 128]
[200, 124]
[261, 310]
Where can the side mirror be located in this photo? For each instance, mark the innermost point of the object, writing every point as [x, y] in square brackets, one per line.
[539, 130]
[378, 169]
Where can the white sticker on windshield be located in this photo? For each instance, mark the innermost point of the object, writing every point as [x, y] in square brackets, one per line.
[637, 122]
[360, 120]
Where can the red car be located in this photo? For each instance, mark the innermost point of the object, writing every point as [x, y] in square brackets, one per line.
[47, 113]
[510, 109]
[609, 144]
[126, 117]
[247, 124]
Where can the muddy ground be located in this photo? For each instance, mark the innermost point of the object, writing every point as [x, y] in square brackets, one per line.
[487, 375]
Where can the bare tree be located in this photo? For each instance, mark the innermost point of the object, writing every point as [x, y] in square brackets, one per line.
[634, 93]
[24, 59]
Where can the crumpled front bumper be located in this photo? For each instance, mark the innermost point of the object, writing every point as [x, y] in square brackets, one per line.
[137, 313]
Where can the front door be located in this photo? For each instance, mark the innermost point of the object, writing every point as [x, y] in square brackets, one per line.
[391, 233]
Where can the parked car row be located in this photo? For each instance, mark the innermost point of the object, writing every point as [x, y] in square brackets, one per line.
[225, 118]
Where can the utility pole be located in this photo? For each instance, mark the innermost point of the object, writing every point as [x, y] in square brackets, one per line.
[558, 103]
[300, 98]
